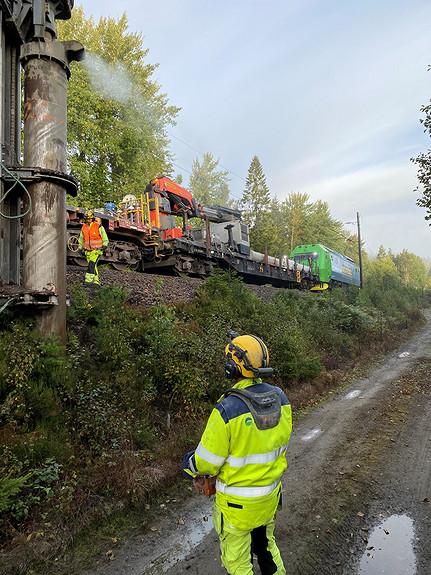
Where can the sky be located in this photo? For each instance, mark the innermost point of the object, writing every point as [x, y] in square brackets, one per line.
[326, 93]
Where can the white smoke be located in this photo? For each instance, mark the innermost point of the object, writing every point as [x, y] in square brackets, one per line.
[112, 81]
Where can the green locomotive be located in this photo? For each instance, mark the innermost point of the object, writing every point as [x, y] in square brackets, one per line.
[332, 268]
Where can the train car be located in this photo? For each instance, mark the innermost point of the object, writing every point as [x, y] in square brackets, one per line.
[332, 269]
[146, 234]
[166, 230]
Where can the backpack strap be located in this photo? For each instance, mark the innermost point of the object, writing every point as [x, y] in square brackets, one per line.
[264, 407]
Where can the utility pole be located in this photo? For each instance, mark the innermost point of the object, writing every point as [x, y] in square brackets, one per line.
[359, 249]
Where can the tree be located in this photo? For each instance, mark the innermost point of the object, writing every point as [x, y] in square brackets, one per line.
[382, 273]
[296, 211]
[324, 229]
[256, 197]
[382, 253]
[268, 232]
[117, 117]
[208, 185]
[411, 269]
[278, 241]
[423, 161]
[262, 214]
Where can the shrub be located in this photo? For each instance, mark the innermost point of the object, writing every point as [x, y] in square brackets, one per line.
[34, 484]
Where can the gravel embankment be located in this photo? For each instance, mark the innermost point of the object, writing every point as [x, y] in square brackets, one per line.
[143, 286]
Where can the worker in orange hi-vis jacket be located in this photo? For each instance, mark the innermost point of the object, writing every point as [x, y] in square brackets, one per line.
[92, 242]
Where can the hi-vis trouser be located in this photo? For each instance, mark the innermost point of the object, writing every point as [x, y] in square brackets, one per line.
[92, 275]
[238, 547]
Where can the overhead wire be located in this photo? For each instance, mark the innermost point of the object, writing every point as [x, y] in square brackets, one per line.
[202, 154]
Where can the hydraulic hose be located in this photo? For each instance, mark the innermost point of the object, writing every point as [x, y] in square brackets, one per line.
[9, 301]
[17, 181]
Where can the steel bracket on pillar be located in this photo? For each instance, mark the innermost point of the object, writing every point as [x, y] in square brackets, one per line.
[18, 297]
[28, 176]
[61, 52]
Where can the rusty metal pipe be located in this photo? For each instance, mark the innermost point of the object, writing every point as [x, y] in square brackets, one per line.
[45, 138]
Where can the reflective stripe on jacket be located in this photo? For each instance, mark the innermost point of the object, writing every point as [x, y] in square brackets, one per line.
[248, 462]
[93, 237]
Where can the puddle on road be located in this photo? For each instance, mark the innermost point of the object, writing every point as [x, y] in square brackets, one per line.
[311, 434]
[390, 548]
[180, 547]
[353, 394]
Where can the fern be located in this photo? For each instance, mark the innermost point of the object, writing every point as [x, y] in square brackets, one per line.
[10, 487]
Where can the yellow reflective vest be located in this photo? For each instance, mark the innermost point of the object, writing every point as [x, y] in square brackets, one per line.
[247, 461]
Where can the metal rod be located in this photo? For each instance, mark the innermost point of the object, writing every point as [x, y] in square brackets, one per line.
[359, 250]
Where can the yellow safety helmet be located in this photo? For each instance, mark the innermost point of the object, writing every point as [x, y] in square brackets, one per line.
[246, 356]
[88, 215]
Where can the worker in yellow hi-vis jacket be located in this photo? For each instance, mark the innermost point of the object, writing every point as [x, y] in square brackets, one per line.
[244, 446]
[92, 241]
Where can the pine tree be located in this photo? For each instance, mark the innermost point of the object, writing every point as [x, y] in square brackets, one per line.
[382, 253]
[207, 184]
[296, 210]
[256, 198]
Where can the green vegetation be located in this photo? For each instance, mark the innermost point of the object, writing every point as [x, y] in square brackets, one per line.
[208, 184]
[117, 115]
[423, 163]
[279, 226]
[108, 419]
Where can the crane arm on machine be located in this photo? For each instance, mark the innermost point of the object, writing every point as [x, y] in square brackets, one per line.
[182, 202]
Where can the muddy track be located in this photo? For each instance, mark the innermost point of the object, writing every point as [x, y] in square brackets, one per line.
[359, 459]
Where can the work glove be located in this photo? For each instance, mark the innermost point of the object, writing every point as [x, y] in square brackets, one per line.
[82, 250]
[189, 465]
[104, 249]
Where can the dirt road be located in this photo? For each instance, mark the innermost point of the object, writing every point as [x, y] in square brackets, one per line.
[356, 491]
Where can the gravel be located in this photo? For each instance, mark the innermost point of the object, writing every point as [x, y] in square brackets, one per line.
[145, 289]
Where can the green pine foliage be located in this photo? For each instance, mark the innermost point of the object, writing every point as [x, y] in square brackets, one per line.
[257, 210]
[9, 487]
[208, 184]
